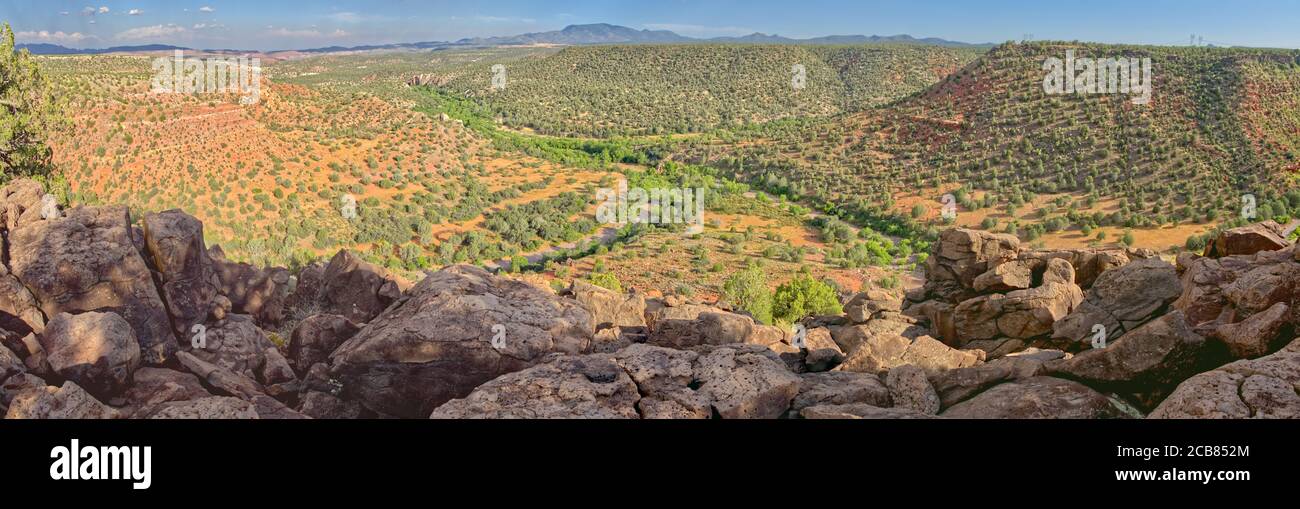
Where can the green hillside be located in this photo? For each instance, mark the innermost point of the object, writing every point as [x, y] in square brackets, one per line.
[1221, 123]
[661, 89]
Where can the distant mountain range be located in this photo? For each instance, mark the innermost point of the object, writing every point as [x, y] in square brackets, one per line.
[55, 49]
[602, 33]
[598, 33]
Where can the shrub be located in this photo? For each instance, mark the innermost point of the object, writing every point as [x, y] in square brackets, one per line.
[803, 297]
[606, 280]
[747, 291]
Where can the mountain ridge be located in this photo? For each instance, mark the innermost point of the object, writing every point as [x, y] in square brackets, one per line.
[574, 35]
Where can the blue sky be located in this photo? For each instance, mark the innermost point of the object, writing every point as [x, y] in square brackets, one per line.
[296, 24]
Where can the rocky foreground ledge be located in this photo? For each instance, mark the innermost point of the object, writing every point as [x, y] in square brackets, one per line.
[102, 317]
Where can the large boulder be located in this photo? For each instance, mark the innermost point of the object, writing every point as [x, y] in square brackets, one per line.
[1232, 289]
[855, 411]
[259, 293]
[609, 308]
[174, 242]
[1203, 281]
[237, 344]
[67, 402]
[208, 408]
[323, 405]
[1006, 277]
[87, 261]
[357, 289]
[939, 316]
[641, 381]
[1021, 314]
[153, 387]
[437, 343]
[16, 384]
[1248, 240]
[568, 387]
[713, 327]
[304, 298]
[664, 377]
[866, 305]
[10, 364]
[851, 337]
[1263, 388]
[957, 385]
[1146, 363]
[219, 379]
[672, 308]
[98, 351]
[881, 353]
[1263, 286]
[20, 202]
[29, 349]
[316, 337]
[1041, 397]
[960, 256]
[1122, 299]
[745, 382]
[1258, 334]
[910, 389]
[818, 353]
[224, 382]
[19, 311]
[840, 388]
[1088, 264]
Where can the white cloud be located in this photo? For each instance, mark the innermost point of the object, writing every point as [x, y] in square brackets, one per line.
[53, 37]
[151, 32]
[91, 11]
[64, 13]
[206, 9]
[134, 12]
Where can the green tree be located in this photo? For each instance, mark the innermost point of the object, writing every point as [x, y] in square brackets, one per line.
[803, 297]
[747, 291]
[28, 113]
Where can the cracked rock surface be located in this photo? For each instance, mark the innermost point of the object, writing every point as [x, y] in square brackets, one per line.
[1263, 388]
[732, 382]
